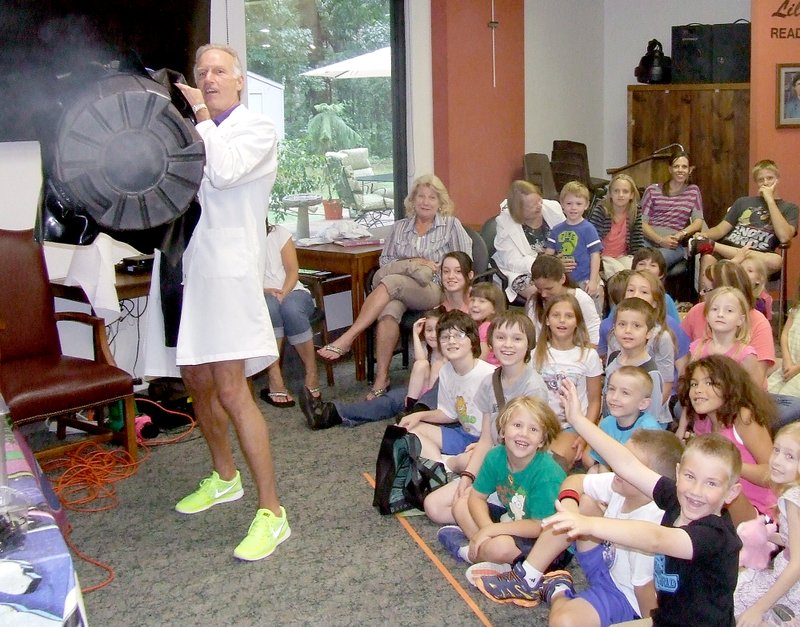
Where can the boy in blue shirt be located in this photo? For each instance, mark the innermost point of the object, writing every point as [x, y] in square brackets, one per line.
[627, 397]
[634, 324]
[577, 243]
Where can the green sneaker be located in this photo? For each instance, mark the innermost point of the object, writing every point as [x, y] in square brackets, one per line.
[266, 532]
[212, 491]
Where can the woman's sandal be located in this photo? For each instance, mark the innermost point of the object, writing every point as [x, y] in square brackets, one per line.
[376, 392]
[333, 349]
[274, 398]
[310, 404]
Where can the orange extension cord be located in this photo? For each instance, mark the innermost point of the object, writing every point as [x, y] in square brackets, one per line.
[84, 481]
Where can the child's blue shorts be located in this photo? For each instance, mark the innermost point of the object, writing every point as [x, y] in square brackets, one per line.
[455, 440]
[602, 594]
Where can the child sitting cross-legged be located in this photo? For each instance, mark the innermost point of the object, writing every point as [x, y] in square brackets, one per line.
[526, 479]
[420, 395]
[511, 338]
[696, 547]
[628, 396]
[620, 579]
[458, 381]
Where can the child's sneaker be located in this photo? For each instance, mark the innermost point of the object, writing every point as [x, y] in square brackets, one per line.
[699, 245]
[266, 532]
[510, 587]
[553, 582]
[454, 540]
[485, 569]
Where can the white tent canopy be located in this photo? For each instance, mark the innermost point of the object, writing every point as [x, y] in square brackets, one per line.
[371, 65]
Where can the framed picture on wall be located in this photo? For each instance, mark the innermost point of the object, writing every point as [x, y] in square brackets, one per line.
[787, 101]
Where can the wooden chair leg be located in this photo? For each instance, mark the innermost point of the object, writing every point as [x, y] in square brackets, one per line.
[783, 291]
[129, 427]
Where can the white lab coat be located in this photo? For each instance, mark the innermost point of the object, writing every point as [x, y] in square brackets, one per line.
[513, 253]
[224, 315]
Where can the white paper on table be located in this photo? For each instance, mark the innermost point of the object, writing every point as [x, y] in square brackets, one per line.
[92, 268]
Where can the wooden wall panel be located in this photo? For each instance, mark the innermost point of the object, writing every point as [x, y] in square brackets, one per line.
[712, 123]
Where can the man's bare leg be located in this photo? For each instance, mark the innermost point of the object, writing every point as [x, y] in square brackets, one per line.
[221, 395]
[211, 418]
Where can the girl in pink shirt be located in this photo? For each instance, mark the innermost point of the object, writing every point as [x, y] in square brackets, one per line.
[486, 300]
[726, 273]
[619, 224]
[726, 311]
[718, 396]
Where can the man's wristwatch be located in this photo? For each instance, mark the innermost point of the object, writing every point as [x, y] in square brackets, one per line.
[198, 107]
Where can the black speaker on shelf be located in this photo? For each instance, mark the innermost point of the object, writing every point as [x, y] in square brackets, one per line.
[691, 53]
[711, 53]
[731, 53]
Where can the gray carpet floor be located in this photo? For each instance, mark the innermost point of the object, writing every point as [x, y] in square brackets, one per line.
[344, 564]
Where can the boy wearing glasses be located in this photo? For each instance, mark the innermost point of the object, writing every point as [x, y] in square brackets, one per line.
[459, 380]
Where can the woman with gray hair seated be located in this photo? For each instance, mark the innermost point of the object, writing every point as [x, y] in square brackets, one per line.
[521, 235]
[408, 276]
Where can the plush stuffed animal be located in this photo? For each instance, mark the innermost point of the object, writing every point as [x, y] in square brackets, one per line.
[756, 546]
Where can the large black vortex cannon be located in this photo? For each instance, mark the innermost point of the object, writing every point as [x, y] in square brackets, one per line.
[127, 155]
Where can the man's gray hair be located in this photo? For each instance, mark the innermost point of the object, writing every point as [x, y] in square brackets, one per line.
[237, 64]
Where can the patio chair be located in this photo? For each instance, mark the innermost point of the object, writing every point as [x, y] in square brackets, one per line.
[369, 209]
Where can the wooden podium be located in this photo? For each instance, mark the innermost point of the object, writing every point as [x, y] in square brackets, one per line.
[646, 171]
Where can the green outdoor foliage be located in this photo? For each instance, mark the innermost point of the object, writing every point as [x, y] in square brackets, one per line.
[287, 37]
[300, 171]
[328, 131]
[305, 34]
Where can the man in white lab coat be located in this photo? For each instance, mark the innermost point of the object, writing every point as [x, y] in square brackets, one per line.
[225, 333]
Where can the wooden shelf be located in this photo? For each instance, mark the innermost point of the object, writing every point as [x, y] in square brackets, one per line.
[711, 121]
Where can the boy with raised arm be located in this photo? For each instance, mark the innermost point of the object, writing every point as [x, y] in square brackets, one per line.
[620, 579]
[696, 546]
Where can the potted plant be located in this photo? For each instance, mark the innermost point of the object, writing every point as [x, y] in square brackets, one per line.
[332, 208]
[327, 130]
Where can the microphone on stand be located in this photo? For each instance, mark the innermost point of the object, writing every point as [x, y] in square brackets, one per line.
[666, 148]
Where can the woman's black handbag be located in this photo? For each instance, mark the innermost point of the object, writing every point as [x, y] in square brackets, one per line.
[402, 478]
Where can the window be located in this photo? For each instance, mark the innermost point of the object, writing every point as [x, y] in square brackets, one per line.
[291, 45]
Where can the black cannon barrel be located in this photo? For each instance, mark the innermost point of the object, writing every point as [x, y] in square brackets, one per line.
[127, 155]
